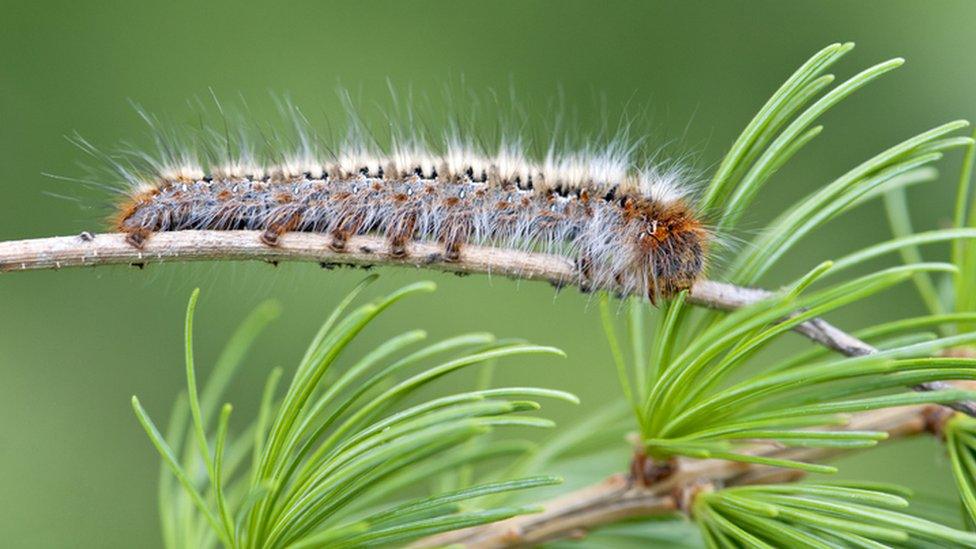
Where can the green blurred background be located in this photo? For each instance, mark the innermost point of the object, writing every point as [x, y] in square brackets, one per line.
[75, 467]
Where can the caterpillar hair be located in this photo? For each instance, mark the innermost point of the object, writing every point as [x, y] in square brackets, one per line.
[624, 224]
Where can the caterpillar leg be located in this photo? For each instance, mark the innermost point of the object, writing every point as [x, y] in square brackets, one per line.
[653, 292]
[137, 238]
[339, 240]
[280, 224]
[452, 251]
[346, 228]
[400, 233]
[454, 236]
[672, 273]
[584, 266]
[271, 235]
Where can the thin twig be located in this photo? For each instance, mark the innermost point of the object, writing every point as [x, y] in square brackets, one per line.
[820, 331]
[619, 497]
[112, 249]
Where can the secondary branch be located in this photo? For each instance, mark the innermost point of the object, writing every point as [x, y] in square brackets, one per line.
[619, 497]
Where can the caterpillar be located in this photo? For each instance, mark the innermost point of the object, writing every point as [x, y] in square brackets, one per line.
[626, 227]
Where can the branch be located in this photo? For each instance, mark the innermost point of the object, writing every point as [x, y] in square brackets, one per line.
[112, 249]
[619, 497]
[816, 329]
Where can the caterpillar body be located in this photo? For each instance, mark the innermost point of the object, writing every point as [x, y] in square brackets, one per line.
[624, 228]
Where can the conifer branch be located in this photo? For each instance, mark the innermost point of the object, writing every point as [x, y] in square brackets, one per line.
[89, 249]
[621, 497]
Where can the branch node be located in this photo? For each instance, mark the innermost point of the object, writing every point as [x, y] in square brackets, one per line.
[684, 495]
[935, 418]
[646, 471]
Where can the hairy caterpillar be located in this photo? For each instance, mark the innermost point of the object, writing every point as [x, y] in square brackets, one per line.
[623, 226]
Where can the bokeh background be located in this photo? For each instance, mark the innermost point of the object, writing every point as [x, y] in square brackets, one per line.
[76, 469]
